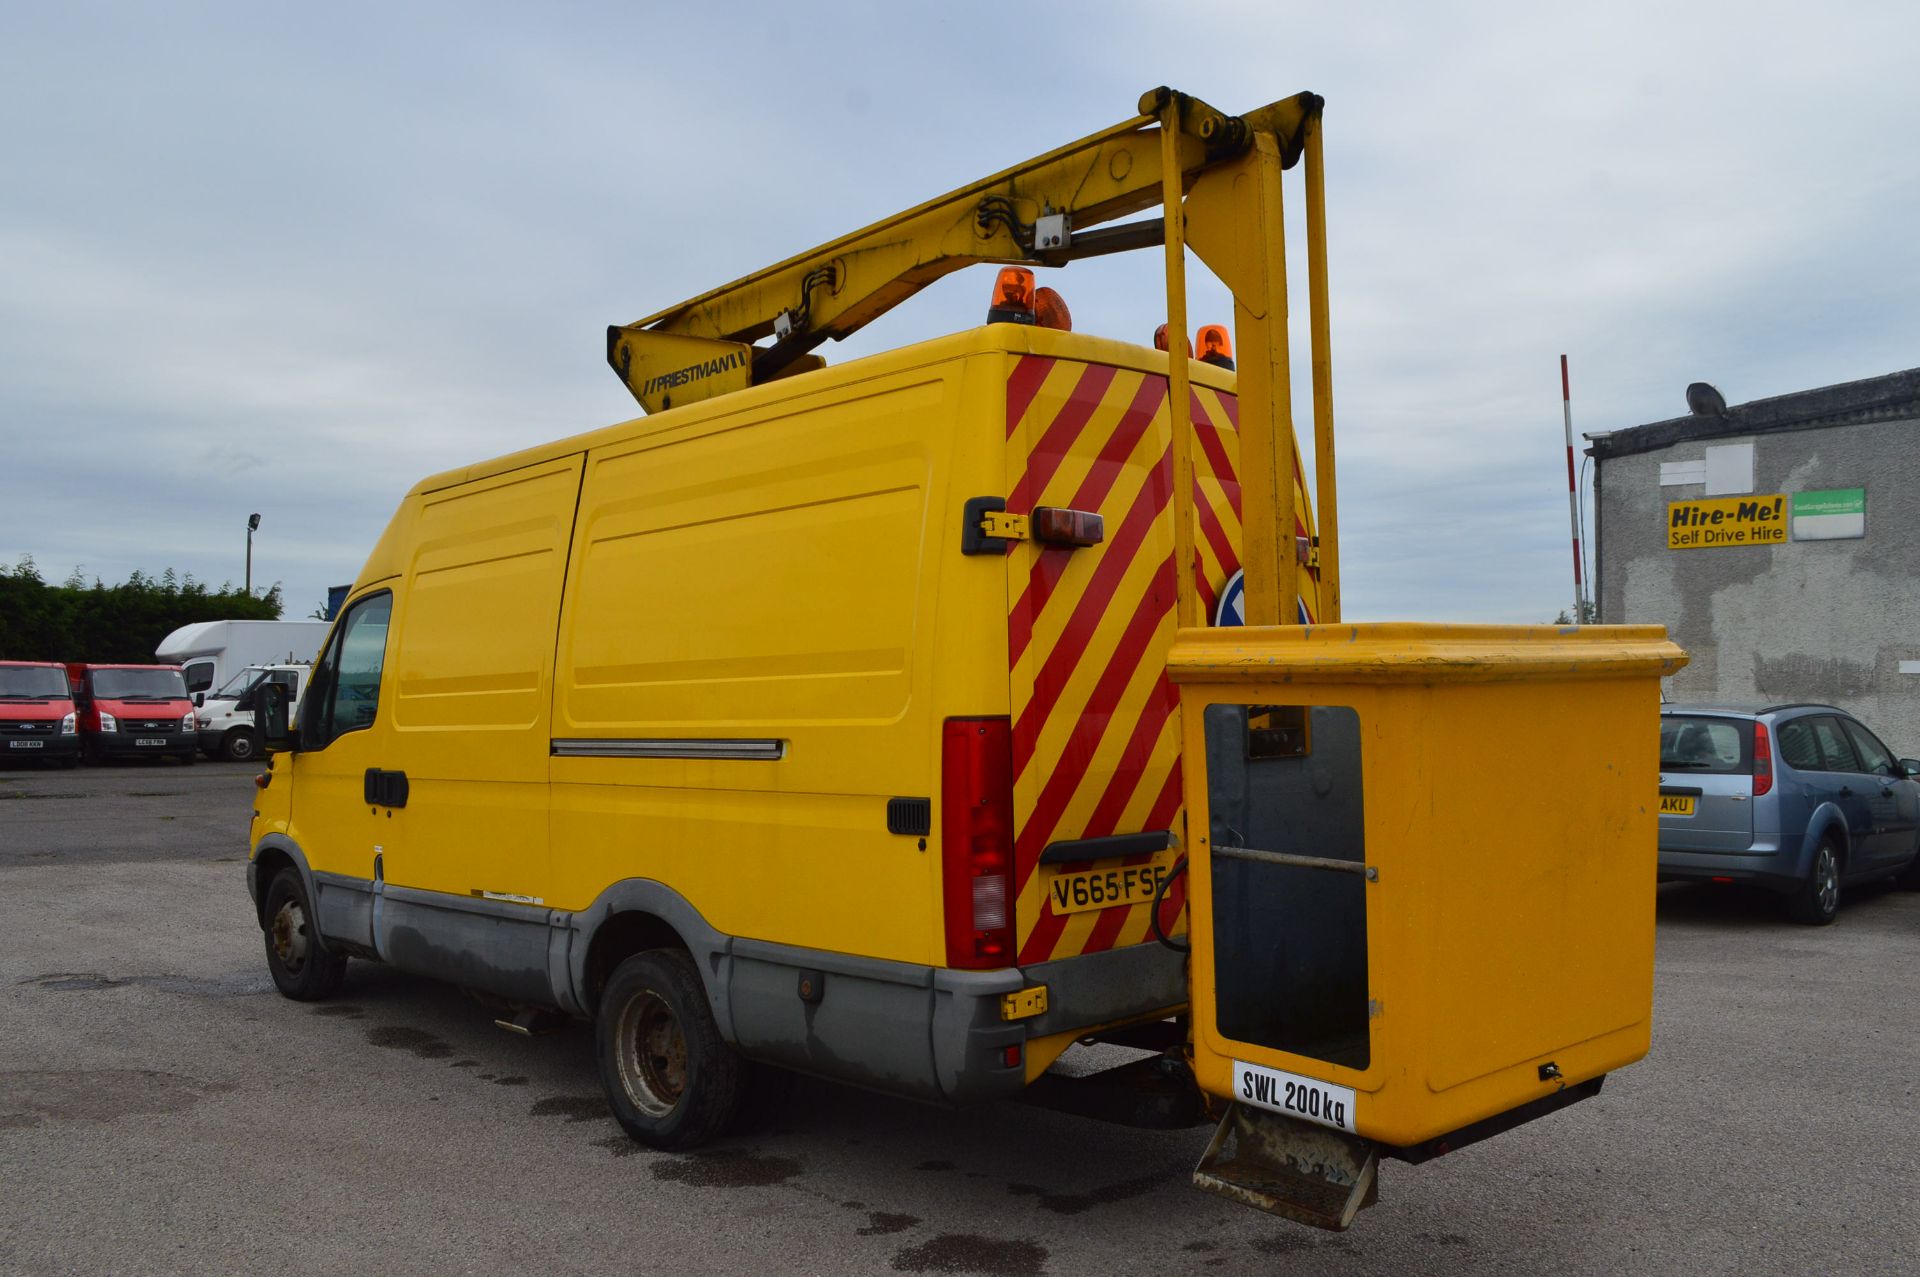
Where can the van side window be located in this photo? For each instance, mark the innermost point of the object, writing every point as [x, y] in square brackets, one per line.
[1798, 747]
[345, 691]
[1872, 753]
[199, 676]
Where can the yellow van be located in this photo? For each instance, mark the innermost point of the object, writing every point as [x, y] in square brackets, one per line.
[815, 726]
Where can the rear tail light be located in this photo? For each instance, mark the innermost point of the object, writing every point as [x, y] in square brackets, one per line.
[1762, 760]
[1055, 526]
[976, 827]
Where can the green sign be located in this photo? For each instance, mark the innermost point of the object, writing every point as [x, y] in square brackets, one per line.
[1829, 515]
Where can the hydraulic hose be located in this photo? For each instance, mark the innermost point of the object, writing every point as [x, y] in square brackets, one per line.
[1159, 897]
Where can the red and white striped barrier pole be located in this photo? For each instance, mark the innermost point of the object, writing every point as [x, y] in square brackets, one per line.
[1573, 494]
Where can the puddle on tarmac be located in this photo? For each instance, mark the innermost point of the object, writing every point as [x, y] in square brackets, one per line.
[969, 1253]
[1074, 1203]
[575, 1108]
[400, 1037]
[96, 1095]
[726, 1168]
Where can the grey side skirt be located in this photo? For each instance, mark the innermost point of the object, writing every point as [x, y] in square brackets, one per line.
[923, 1032]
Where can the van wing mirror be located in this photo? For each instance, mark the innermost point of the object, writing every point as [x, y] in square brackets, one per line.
[272, 718]
[1910, 767]
[199, 699]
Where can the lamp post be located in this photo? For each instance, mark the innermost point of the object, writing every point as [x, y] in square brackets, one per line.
[253, 521]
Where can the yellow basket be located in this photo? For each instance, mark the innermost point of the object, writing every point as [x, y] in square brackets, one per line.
[1422, 863]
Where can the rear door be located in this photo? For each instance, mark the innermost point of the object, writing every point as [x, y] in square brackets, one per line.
[1095, 723]
[1706, 783]
[1890, 799]
[1843, 783]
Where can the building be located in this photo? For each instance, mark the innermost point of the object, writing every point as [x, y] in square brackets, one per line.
[1779, 543]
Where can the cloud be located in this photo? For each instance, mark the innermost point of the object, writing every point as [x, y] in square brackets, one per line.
[293, 260]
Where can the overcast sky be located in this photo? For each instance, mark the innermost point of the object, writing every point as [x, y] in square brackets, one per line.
[292, 258]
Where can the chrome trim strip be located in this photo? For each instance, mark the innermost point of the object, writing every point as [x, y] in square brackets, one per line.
[765, 751]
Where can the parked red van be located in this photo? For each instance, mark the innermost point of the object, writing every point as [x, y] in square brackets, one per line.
[131, 710]
[37, 718]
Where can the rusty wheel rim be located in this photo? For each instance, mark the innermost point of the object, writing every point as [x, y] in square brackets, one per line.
[289, 936]
[652, 1054]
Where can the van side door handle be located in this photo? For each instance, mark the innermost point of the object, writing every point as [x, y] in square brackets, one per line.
[384, 788]
[1846, 791]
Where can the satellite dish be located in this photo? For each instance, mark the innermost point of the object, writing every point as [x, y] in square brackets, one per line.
[1704, 401]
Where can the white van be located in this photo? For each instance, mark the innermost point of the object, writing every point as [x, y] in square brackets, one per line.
[224, 719]
[210, 653]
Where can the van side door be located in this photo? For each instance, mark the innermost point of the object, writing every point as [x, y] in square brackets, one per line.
[342, 735]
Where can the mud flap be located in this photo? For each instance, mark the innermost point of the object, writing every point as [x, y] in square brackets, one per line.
[1305, 1173]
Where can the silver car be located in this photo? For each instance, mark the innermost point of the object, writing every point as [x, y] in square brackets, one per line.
[1799, 799]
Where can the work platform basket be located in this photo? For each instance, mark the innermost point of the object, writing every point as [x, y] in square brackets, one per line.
[1423, 867]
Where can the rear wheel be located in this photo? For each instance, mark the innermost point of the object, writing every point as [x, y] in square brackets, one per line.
[671, 1079]
[1816, 901]
[302, 967]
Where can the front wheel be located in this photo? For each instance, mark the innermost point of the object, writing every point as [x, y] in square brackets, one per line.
[672, 1081]
[1816, 901]
[240, 744]
[301, 965]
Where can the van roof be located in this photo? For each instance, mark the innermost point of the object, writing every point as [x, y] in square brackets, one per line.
[1020, 339]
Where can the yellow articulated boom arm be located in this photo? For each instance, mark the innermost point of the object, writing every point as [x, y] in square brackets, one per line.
[1216, 179]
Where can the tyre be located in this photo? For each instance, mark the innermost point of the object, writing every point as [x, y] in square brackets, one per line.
[301, 965]
[240, 744]
[672, 1081]
[1816, 901]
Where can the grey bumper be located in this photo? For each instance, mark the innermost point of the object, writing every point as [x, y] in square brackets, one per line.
[928, 1033]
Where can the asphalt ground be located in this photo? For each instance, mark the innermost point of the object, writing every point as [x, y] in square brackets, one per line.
[162, 1109]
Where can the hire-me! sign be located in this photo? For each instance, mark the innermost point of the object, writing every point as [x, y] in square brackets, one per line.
[1718, 521]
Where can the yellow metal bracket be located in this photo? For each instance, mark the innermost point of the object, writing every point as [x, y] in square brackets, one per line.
[1025, 1004]
[1005, 527]
[663, 368]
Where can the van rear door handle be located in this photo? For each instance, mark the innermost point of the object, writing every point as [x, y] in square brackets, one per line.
[384, 788]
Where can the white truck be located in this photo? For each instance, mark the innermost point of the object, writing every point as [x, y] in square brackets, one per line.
[210, 653]
[224, 720]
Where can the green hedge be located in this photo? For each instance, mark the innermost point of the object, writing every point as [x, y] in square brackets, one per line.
[111, 624]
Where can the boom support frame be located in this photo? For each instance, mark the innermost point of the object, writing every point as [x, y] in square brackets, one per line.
[1217, 181]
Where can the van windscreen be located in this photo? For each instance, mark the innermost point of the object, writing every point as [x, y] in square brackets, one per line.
[32, 683]
[1713, 745]
[138, 685]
